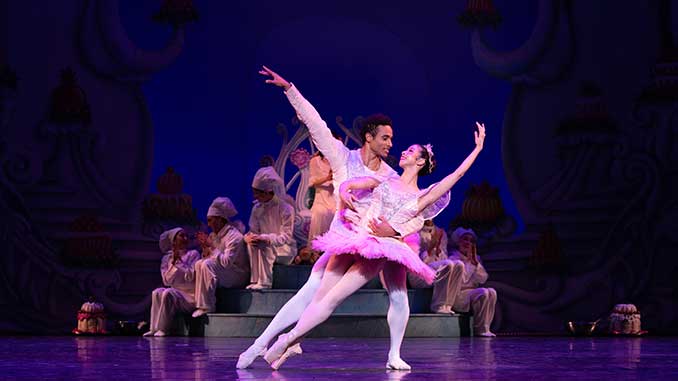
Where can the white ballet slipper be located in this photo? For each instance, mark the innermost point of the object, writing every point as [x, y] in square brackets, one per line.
[397, 364]
[247, 358]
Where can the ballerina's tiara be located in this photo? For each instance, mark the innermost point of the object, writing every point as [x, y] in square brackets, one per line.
[429, 149]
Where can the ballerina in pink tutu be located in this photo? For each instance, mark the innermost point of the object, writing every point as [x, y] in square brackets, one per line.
[354, 254]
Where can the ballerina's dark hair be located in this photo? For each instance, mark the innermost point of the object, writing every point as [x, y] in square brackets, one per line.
[426, 153]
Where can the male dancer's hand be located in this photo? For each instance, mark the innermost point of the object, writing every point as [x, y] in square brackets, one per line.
[275, 78]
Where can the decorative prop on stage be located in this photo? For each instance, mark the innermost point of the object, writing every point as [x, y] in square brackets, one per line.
[625, 320]
[91, 319]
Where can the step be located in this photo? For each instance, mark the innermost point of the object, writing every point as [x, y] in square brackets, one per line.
[339, 325]
[366, 301]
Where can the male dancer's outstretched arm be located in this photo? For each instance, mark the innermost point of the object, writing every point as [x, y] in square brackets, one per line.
[335, 152]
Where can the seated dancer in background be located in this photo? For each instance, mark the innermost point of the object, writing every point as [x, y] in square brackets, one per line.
[467, 294]
[178, 275]
[271, 227]
[355, 255]
[324, 203]
[224, 260]
[376, 135]
[433, 244]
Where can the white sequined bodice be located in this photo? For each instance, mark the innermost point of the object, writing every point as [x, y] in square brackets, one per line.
[392, 201]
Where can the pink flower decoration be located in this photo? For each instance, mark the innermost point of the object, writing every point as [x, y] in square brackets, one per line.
[300, 157]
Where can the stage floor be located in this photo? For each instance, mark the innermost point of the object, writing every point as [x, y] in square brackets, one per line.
[187, 358]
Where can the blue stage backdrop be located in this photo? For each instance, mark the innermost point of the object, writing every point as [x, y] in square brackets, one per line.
[214, 117]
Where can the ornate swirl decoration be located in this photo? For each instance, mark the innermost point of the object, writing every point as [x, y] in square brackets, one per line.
[109, 51]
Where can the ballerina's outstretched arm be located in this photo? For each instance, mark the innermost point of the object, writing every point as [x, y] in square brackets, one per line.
[448, 182]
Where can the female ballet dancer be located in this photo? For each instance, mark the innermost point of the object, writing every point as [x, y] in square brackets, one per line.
[355, 255]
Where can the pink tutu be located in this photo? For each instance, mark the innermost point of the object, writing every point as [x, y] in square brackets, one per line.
[371, 247]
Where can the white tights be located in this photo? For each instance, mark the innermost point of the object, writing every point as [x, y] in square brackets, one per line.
[292, 310]
[345, 274]
[321, 282]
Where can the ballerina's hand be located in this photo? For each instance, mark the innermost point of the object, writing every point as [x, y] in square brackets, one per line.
[275, 79]
[480, 134]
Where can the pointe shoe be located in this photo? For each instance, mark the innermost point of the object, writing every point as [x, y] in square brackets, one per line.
[149, 333]
[278, 348]
[200, 312]
[247, 358]
[397, 364]
[251, 286]
[159, 334]
[289, 352]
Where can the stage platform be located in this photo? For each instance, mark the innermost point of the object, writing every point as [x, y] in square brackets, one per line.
[467, 358]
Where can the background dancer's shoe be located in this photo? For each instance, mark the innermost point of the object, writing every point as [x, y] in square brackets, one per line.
[445, 309]
[200, 312]
[258, 286]
[486, 334]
